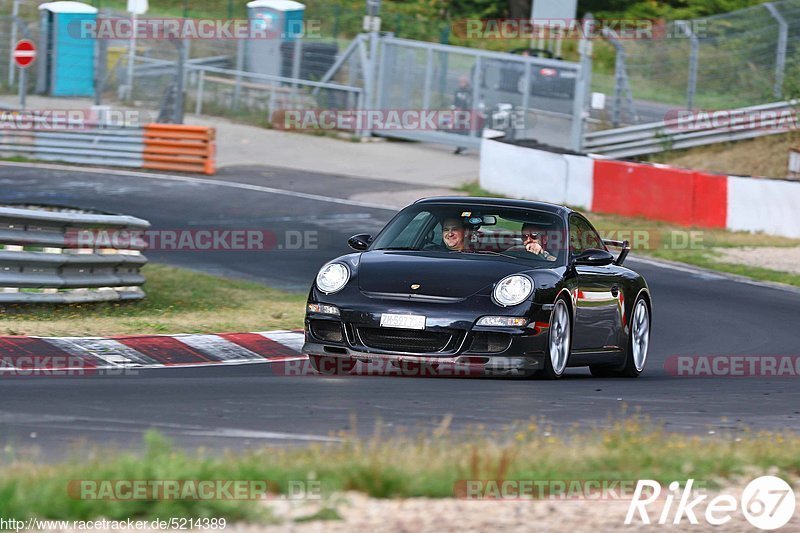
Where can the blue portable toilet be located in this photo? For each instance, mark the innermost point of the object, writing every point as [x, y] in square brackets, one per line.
[283, 22]
[66, 56]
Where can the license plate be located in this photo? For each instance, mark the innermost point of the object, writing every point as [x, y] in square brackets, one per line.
[389, 320]
[569, 74]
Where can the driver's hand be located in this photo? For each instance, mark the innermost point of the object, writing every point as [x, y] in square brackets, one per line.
[534, 247]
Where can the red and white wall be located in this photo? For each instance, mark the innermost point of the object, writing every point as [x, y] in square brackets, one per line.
[657, 192]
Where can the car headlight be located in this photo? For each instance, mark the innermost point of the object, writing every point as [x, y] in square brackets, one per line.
[513, 290]
[501, 321]
[323, 309]
[333, 277]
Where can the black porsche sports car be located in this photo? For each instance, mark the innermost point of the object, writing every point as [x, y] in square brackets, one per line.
[510, 287]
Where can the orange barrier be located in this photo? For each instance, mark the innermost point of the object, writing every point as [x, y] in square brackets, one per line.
[178, 147]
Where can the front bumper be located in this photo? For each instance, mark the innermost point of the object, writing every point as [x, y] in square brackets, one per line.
[467, 364]
[521, 352]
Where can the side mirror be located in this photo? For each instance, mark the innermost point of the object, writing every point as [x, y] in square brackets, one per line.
[359, 242]
[594, 257]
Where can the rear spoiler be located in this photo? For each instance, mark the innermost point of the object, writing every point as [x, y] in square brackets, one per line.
[626, 248]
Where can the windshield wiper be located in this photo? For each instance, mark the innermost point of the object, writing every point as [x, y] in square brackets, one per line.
[490, 252]
[392, 248]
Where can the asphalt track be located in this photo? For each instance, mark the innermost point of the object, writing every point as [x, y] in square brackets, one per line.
[696, 313]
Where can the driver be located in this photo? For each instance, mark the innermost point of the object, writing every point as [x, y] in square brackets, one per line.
[534, 242]
[453, 232]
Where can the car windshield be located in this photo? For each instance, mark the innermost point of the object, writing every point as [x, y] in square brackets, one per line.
[530, 235]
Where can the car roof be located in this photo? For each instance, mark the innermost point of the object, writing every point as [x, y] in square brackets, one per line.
[497, 202]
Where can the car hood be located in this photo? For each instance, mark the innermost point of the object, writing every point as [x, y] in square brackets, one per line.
[442, 274]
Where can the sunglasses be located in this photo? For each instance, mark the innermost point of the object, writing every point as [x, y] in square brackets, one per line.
[526, 236]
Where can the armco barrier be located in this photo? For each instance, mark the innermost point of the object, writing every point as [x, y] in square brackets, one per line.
[42, 258]
[179, 147]
[120, 147]
[170, 147]
[693, 128]
[657, 192]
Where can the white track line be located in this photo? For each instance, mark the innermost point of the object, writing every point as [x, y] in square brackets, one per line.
[201, 181]
[130, 426]
[714, 274]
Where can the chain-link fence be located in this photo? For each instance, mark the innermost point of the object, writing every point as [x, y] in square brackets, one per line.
[529, 97]
[727, 61]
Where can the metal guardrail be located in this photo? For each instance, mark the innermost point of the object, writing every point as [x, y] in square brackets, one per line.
[150, 66]
[172, 147]
[54, 255]
[677, 134]
[120, 147]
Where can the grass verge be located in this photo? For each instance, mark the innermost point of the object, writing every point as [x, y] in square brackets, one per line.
[693, 246]
[762, 156]
[177, 301]
[402, 466]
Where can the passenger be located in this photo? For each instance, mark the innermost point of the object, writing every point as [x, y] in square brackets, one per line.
[453, 232]
[534, 242]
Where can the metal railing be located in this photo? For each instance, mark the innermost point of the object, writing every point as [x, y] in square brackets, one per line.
[155, 146]
[279, 91]
[224, 91]
[695, 129]
[120, 147]
[54, 255]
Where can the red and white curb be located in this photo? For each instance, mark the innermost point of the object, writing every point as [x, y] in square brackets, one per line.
[21, 354]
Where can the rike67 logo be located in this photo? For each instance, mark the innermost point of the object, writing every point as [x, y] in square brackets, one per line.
[767, 502]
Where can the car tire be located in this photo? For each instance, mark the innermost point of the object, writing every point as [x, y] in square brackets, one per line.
[559, 341]
[331, 366]
[637, 345]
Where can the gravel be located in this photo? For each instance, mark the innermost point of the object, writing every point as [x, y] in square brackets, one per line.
[785, 259]
[417, 515]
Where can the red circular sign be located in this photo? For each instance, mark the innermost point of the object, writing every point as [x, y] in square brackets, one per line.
[24, 53]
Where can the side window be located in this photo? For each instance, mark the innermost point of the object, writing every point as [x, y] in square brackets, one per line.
[582, 236]
[411, 232]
